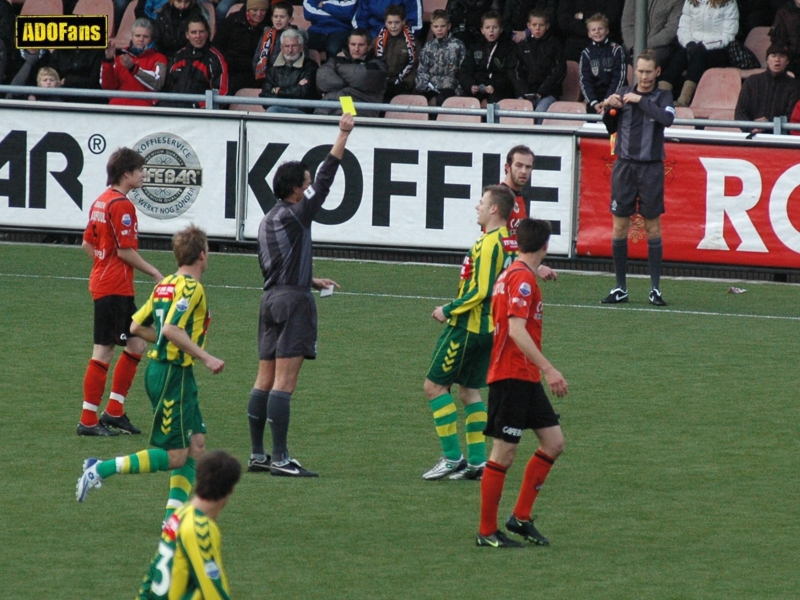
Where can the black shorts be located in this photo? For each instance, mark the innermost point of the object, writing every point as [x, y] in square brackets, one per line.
[112, 320]
[515, 405]
[287, 324]
[637, 187]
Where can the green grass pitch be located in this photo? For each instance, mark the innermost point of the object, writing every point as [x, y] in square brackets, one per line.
[679, 479]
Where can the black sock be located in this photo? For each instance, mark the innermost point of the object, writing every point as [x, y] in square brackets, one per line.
[278, 417]
[654, 252]
[619, 250]
[257, 419]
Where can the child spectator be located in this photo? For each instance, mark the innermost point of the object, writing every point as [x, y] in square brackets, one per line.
[395, 45]
[440, 61]
[541, 66]
[603, 66]
[370, 14]
[331, 23]
[139, 68]
[47, 77]
[269, 47]
[488, 64]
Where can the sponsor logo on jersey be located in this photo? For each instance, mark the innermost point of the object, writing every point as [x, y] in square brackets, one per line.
[126, 220]
[466, 268]
[512, 431]
[525, 289]
[171, 527]
[164, 292]
[522, 303]
[173, 176]
[510, 243]
[212, 570]
[182, 305]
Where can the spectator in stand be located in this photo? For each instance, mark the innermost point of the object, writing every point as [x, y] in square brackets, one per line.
[7, 53]
[757, 13]
[353, 72]
[440, 61]
[489, 63]
[78, 69]
[331, 23]
[465, 18]
[662, 27]
[197, 67]
[269, 46]
[148, 8]
[370, 14]
[238, 38]
[170, 24]
[541, 66]
[517, 12]
[603, 66]
[395, 44]
[705, 29]
[139, 68]
[572, 16]
[770, 94]
[786, 32]
[47, 78]
[293, 75]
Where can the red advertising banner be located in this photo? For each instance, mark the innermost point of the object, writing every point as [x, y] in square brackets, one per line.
[724, 205]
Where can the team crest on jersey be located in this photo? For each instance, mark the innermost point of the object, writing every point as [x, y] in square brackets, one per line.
[525, 289]
[173, 176]
[126, 220]
[212, 570]
[182, 305]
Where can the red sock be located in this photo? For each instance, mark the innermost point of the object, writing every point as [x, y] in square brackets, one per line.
[535, 473]
[124, 372]
[94, 384]
[494, 477]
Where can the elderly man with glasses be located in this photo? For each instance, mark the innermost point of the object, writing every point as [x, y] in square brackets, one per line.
[293, 75]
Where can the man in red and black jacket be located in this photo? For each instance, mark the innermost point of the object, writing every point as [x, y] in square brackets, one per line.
[139, 68]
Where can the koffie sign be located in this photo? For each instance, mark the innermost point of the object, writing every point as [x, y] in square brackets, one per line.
[172, 176]
[83, 32]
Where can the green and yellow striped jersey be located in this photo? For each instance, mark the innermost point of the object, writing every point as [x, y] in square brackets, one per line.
[179, 300]
[492, 253]
[187, 564]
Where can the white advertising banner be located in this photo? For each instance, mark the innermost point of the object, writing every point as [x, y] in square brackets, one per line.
[410, 187]
[53, 166]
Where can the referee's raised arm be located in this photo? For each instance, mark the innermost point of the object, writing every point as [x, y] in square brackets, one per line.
[346, 124]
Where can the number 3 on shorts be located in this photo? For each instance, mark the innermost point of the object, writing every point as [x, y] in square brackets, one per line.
[166, 553]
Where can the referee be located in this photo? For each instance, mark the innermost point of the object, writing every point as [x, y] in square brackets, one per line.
[638, 115]
[287, 323]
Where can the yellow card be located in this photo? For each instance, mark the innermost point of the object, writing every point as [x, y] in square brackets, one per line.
[347, 105]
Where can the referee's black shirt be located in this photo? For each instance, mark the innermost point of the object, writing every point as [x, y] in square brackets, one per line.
[640, 126]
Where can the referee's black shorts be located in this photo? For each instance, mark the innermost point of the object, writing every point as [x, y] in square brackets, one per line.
[287, 324]
[637, 187]
[515, 405]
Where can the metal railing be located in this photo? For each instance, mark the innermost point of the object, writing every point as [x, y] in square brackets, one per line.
[492, 113]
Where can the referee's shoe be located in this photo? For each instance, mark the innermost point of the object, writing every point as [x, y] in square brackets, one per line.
[616, 296]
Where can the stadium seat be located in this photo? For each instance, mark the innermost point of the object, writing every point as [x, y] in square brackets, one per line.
[723, 115]
[683, 112]
[428, 6]
[408, 100]
[234, 8]
[42, 7]
[211, 10]
[757, 41]
[578, 108]
[123, 37]
[718, 90]
[96, 7]
[299, 19]
[571, 88]
[514, 104]
[250, 93]
[460, 102]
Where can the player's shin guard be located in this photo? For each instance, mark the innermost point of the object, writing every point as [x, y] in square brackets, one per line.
[180, 486]
[535, 473]
[278, 417]
[144, 461]
[257, 419]
[445, 417]
[655, 251]
[124, 372]
[94, 384]
[619, 250]
[494, 478]
[476, 442]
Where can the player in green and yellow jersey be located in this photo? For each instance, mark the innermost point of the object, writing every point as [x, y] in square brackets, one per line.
[188, 562]
[463, 351]
[175, 318]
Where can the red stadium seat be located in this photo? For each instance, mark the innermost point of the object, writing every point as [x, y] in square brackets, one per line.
[515, 104]
[571, 88]
[577, 108]
[718, 90]
[460, 102]
[97, 7]
[757, 41]
[42, 7]
[408, 100]
[123, 37]
[235, 8]
[683, 112]
[428, 6]
[723, 115]
[250, 93]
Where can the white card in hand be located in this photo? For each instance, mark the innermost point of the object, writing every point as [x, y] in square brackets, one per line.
[325, 292]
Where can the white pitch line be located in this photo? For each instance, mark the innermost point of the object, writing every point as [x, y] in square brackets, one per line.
[437, 299]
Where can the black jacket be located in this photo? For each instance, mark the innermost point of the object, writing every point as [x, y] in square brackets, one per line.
[238, 40]
[195, 70]
[541, 66]
[169, 29]
[767, 95]
[489, 64]
[287, 78]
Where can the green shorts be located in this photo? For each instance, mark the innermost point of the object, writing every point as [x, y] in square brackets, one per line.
[461, 357]
[176, 413]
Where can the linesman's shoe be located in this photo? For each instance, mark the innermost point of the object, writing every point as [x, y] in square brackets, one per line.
[616, 296]
[497, 540]
[527, 531]
[88, 480]
[98, 430]
[290, 468]
[256, 465]
[444, 468]
[122, 423]
[473, 472]
[656, 299]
